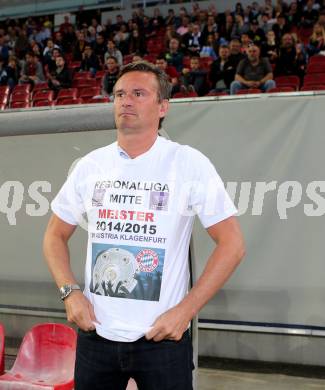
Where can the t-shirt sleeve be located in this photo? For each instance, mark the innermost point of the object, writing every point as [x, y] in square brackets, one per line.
[68, 204]
[267, 66]
[209, 198]
[240, 68]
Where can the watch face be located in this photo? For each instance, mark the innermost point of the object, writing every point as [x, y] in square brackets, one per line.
[65, 291]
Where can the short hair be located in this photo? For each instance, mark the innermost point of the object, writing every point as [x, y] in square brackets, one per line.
[164, 89]
[161, 57]
[112, 58]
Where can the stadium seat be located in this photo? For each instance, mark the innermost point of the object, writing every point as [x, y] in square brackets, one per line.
[316, 67]
[89, 92]
[45, 360]
[42, 103]
[127, 59]
[2, 349]
[67, 100]
[90, 100]
[313, 87]
[84, 83]
[40, 87]
[22, 87]
[182, 95]
[82, 75]
[248, 91]
[43, 95]
[20, 104]
[4, 90]
[68, 93]
[317, 59]
[314, 78]
[100, 74]
[150, 58]
[281, 89]
[213, 93]
[3, 98]
[74, 65]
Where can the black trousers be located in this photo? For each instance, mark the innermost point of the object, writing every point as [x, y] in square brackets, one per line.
[107, 365]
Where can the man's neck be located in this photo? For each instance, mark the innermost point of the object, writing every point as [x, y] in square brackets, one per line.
[135, 145]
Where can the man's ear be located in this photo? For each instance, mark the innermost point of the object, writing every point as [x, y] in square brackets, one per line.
[164, 106]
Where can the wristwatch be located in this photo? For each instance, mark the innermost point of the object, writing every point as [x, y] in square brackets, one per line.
[67, 289]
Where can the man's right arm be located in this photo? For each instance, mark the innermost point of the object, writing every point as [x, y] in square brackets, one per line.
[79, 309]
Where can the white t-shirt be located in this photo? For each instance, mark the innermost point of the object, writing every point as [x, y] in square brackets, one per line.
[139, 215]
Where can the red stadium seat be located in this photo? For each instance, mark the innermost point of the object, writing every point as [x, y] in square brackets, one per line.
[316, 67]
[314, 78]
[42, 103]
[317, 59]
[91, 100]
[4, 90]
[287, 81]
[89, 92]
[127, 59]
[100, 74]
[248, 91]
[43, 95]
[2, 349]
[45, 360]
[84, 83]
[3, 98]
[19, 104]
[67, 100]
[82, 75]
[150, 58]
[181, 95]
[40, 86]
[313, 87]
[22, 87]
[74, 65]
[68, 93]
[20, 96]
[281, 89]
[212, 93]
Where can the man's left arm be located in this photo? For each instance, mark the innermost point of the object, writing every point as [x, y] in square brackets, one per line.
[225, 257]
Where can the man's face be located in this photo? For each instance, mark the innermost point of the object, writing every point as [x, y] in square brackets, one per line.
[253, 53]
[110, 45]
[100, 40]
[195, 63]
[162, 64]
[88, 51]
[111, 64]
[235, 47]
[59, 61]
[287, 41]
[136, 106]
[173, 44]
[29, 58]
[196, 29]
[224, 53]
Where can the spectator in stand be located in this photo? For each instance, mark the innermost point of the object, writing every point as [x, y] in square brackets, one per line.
[184, 27]
[221, 74]
[90, 62]
[137, 57]
[291, 60]
[43, 34]
[240, 27]
[13, 72]
[280, 28]
[121, 39]
[4, 50]
[78, 50]
[96, 26]
[47, 52]
[50, 65]
[192, 41]
[195, 78]
[310, 15]
[210, 28]
[113, 52]
[317, 40]
[58, 40]
[253, 72]
[234, 58]
[65, 25]
[169, 34]
[111, 74]
[209, 48]
[147, 30]
[137, 43]
[61, 77]
[32, 70]
[265, 23]
[171, 18]
[227, 28]
[294, 14]
[245, 42]
[270, 48]
[11, 38]
[69, 39]
[3, 72]
[321, 19]
[174, 56]
[239, 10]
[255, 33]
[100, 47]
[171, 72]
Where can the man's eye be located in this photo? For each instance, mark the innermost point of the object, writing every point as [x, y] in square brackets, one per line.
[138, 93]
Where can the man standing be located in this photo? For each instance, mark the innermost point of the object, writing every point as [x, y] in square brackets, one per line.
[253, 72]
[140, 195]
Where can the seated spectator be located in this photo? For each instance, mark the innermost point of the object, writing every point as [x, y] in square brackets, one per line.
[58, 40]
[266, 23]
[174, 56]
[221, 72]
[137, 42]
[209, 48]
[280, 28]
[239, 27]
[195, 77]
[170, 34]
[310, 15]
[111, 75]
[192, 40]
[61, 77]
[171, 72]
[184, 27]
[99, 47]
[253, 72]
[137, 57]
[77, 52]
[113, 52]
[255, 33]
[32, 70]
[227, 28]
[234, 59]
[65, 25]
[270, 48]
[291, 60]
[317, 40]
[22, 44]
[3, 72]
[294, 14]
[50, 64]
[13, 71]
[90, 62]
[69, 39]
[210, 28]
[4, 49]
[121, 40]
[47, 52]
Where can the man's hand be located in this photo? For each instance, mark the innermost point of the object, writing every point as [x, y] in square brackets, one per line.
[80, 311]
[170, 325]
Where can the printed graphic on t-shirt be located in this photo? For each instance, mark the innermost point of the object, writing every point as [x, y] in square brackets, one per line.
[123, 271]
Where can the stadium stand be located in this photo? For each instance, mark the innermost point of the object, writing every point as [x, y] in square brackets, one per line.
[295, 48]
